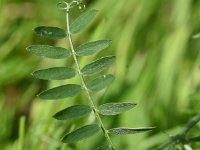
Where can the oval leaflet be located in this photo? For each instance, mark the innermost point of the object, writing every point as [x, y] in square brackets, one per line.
[50, 32]
[92, 47]
[82, 21]
[73, 112]
[49, 51]
[100, 82]
[57, 73]
[81, 133]
[61, 92]
[115, 108]
[98, 65]
[125, 131]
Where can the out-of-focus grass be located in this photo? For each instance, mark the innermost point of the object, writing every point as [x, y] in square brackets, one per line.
[157, 67]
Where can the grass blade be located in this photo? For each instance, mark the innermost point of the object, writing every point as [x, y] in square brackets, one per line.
[21, 139]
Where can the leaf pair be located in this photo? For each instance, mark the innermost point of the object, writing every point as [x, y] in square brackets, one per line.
[70, 89]
[54, 52]
[79, 111]
[57, 33]
[60, 73]
[90, 130]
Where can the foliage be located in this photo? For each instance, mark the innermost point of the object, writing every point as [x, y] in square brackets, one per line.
[70, 90]
[157, 67]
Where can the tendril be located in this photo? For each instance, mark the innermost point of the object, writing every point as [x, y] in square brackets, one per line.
[63, 5]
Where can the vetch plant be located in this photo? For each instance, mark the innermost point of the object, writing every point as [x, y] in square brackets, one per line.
[70, 90]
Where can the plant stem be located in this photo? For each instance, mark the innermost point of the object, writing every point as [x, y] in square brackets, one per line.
[92, 104]
[21, 133]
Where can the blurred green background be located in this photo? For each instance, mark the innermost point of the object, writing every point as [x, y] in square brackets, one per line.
[157, 67]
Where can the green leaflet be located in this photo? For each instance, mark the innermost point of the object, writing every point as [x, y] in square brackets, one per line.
[57, 73]
[92, 47]
[115, 108]
[82, 21]
[104, 148]
[50, 32]
[124, 131]
[100, 82]
[81, 133]
[98, 65]
[73, 112]
[61, 92]
[49, 51]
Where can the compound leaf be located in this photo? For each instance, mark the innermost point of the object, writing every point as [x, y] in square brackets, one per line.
[49, 51]
[73, 112]
[115, 108]
[100, 82]
[57, 73]
[50, 32]
[81, 133]
[61, 92]
[98, 65]
[124, 131]
[104, 148]
[82, 21]
[92, 47]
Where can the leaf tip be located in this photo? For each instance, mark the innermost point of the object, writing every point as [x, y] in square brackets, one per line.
[134, 104]
[63, 139]
[55, 116]
[152, 128]
[110, 41]
[35, 29]
[32, 74]
[28, 48]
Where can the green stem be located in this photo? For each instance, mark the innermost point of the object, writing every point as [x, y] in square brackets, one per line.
[92, 104]
[21, 133]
